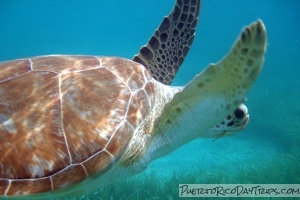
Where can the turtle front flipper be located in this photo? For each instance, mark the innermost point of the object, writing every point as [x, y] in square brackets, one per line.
[167, 48]
[215, 92]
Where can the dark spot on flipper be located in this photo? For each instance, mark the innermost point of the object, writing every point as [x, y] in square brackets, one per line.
[258, 28]
[167, 79]
[182, 34]
[185, 51]
[163, 74]
[187, 36]
[170, 70]
[178, 110]
[179, 3]
[198, 8]
[180, 26]
[260, 37]
[180, 61]
[154, 43]
[183, 17]
[191, 40]
[163, 37]
[243, 37]
[194, 2]
[192, 9]
[194, 24]
[176, 13]
[147, 53]
[185, 9]
[248, 32]
[246, 35]
[250, 62]
[175, 33]
[200, 85]
[156, 33]
[190, 18]
[165, 25]
[256, 53]
[172, 76]
[244, 51]
[175, 59]
[161, 79]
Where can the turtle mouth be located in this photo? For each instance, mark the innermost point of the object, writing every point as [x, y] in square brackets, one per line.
[241, 124]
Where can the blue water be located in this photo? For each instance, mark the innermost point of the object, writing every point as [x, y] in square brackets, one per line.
[120, 28]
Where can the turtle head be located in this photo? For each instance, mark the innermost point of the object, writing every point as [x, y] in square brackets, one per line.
[234, 122]
[201, 108]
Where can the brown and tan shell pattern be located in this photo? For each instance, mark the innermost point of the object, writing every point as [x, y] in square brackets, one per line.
[65, 118]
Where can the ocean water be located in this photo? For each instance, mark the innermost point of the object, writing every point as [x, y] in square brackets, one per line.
[267, 151]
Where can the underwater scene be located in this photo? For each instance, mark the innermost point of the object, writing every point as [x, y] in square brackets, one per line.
[266, 152]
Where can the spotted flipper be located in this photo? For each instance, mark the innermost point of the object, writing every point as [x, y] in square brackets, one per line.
[170, 43]
[218, 90]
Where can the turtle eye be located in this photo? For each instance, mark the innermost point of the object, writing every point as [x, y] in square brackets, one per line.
[239, 114]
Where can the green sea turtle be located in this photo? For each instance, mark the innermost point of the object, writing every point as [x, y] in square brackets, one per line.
[72, 124]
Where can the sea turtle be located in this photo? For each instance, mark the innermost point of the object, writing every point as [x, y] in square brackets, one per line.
[73, 124]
